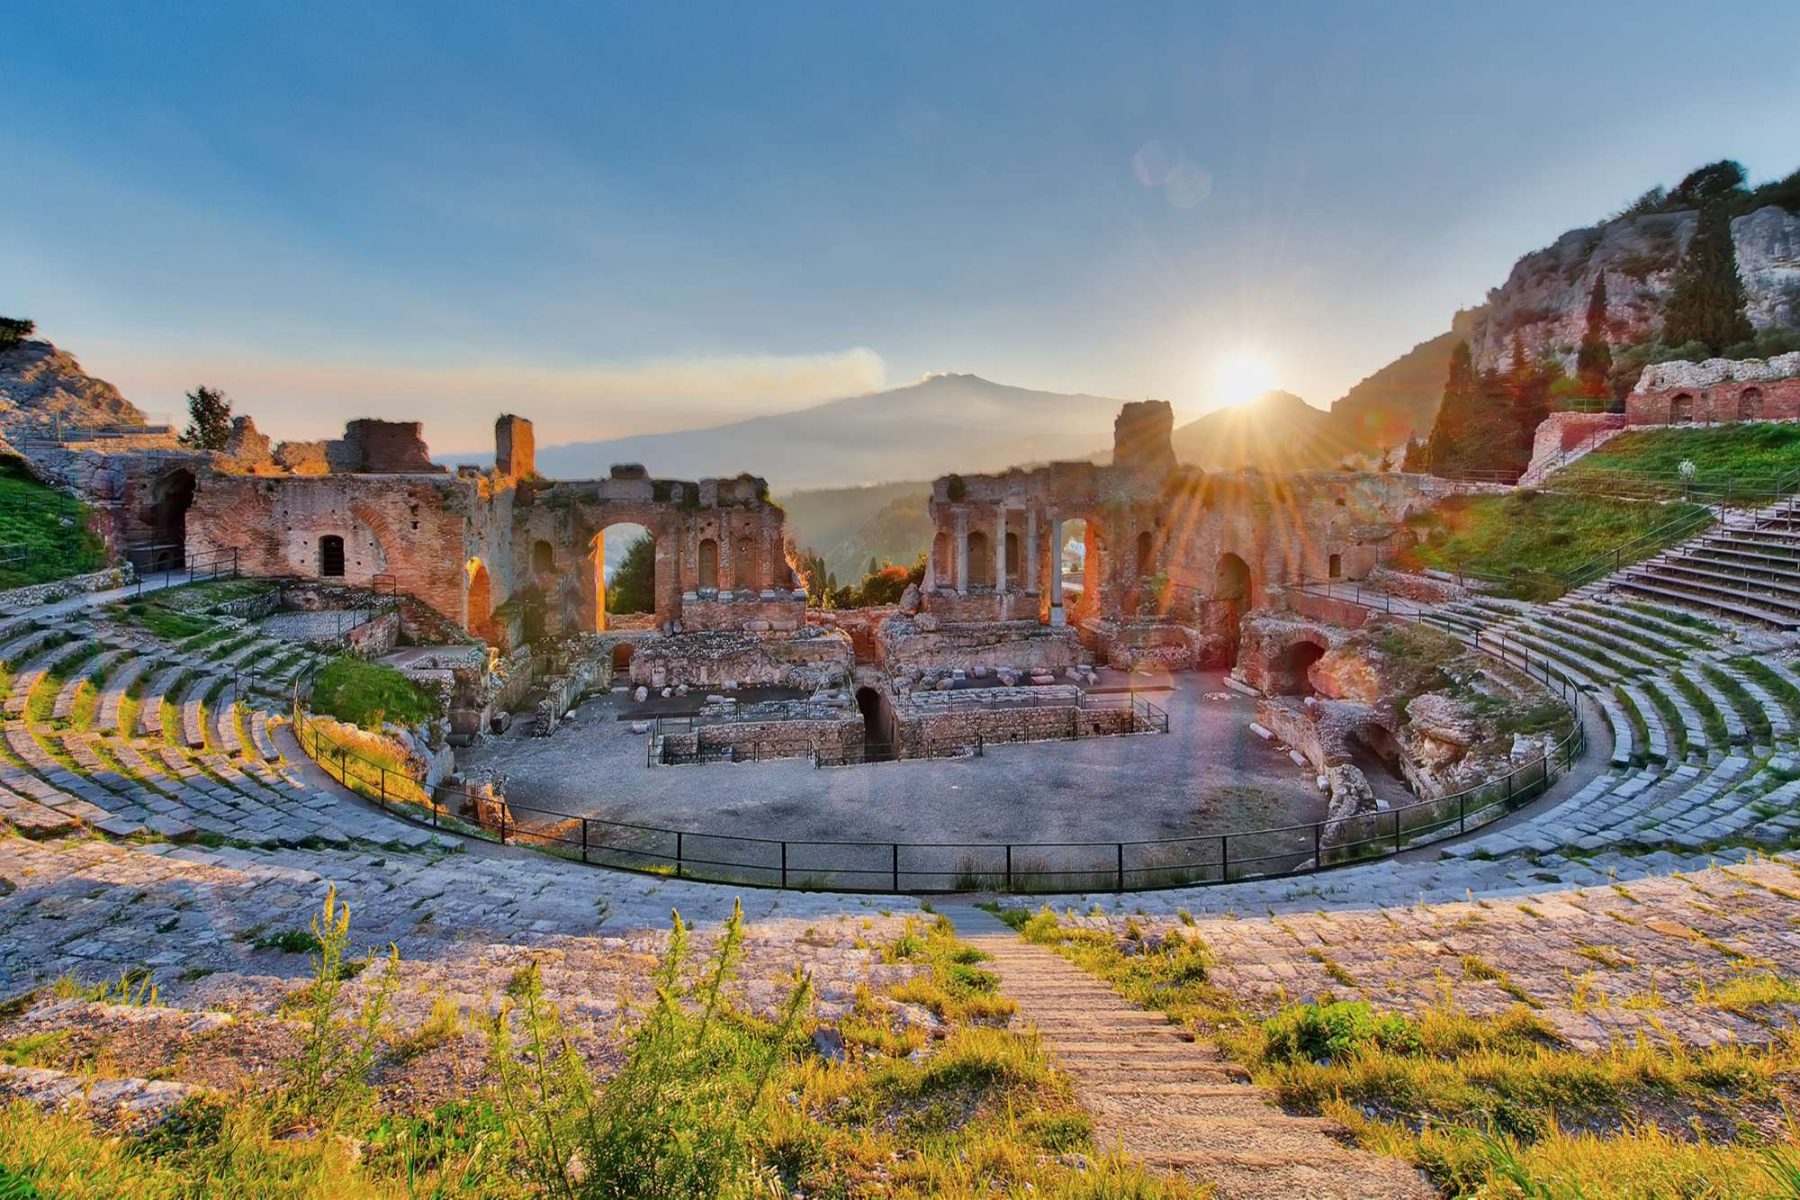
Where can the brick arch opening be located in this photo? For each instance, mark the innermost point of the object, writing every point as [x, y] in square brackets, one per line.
[479, 603]
[620, 595]
[1231, 595]
[1287, 670]
[879, 726]
[171, 495]
[708, 564]
[981, 561]
[1750, 404]
[331, 556]
[543, 557]
[1681, 409]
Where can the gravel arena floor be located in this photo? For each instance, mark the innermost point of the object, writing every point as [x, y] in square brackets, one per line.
[1208, 774]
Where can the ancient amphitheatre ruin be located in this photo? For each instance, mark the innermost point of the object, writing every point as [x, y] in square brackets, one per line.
[1240, 724]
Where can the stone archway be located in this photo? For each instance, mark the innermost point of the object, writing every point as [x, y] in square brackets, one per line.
[1749, 407]
[165, 520]
[1287, 670]
[879, 726]
[708, 563]
[1231, 598]
[1681, 409]
[627, 587]
[981, 562]
[479, 602]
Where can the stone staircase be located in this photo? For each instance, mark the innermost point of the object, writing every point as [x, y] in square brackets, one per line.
[1169, 1101]
[1747, 568]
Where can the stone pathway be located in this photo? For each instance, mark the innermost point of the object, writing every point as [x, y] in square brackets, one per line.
[1171, 1102]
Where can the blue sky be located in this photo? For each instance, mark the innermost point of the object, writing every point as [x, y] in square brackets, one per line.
[621, 218]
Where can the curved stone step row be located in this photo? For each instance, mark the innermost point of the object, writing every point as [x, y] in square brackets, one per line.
[1736, 731]
[34, 672]
[1675, 642]
[69, 695]
[118, 686]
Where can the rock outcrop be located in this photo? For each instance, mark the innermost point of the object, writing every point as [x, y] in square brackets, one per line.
[41, 386]
[1545, 298]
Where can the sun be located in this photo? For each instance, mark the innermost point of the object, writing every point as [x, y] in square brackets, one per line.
[1242, 376]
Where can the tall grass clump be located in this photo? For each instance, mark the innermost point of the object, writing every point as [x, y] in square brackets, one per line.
[682, 1118]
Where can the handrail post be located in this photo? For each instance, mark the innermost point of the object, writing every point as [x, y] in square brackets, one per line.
[1009, 866]
[1224, 858]
[1120, 848]
[678, 853]
[896, 848]
[784, 862]
[584, 839]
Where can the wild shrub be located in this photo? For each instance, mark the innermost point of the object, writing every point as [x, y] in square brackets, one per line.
[326, 1083]
[1335, 1031]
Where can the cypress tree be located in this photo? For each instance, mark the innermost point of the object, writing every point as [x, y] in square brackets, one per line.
[1593, 361]
[1707, 303]
[1456, 411]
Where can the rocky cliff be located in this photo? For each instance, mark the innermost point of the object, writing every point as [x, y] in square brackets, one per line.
[41, 386]
[1545, 298]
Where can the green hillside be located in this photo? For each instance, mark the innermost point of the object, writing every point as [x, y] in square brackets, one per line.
[887, 522]
[43, 533]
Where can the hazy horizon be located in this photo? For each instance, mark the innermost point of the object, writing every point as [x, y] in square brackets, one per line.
[630, 221]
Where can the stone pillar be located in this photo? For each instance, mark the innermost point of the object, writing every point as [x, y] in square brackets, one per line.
[1031, 563]
[1000, 551]
[1057, 617]
[930, 584]
[962, 550]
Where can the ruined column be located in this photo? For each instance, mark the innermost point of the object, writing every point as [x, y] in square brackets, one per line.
[1057, 616]
[1031, 563]
[1000, 552]
[930, 584]
[962, 550]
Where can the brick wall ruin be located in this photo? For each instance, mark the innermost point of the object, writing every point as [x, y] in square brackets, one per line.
[1717, 391]
[1162, 543]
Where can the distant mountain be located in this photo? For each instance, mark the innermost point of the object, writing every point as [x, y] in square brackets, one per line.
[941, 424]
[1277, 431]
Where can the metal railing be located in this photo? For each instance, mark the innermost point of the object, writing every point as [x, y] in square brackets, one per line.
[199, 568]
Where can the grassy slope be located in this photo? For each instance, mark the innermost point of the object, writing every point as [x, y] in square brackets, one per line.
[1754, 451]
[32, 515]
[367, 694]
[1528, 531]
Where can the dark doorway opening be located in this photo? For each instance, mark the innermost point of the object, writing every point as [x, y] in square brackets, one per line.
[878, 725]
[166, 517]
[331, 556]
[1287, 674]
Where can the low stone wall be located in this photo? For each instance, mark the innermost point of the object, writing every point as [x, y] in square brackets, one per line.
[15, 599]
[251, 608]
[749, 612]
[922, 731]
[980, 605]
[835, 737]
[1563, 437]
[811, 659]
[918, 643]
[1129, 645]
[375, 637]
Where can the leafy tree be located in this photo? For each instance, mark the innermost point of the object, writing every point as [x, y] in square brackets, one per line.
[209, 419]
[1711, 186]
[1593, 361]
[14, 330]
[1707, 303]
[632, 588]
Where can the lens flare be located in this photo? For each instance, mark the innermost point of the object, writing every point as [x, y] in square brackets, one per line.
[1242, 376]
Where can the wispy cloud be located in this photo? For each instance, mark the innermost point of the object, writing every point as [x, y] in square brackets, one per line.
[303, 399]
